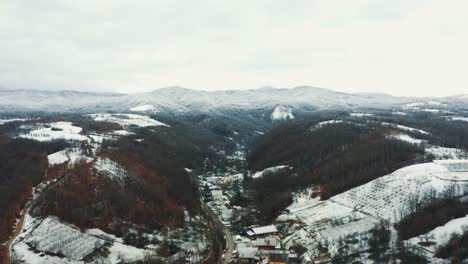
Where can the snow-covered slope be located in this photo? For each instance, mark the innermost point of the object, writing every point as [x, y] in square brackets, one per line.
[355, 212]
[282, 113]
[143, 108]
[127, 119]
[259, 174]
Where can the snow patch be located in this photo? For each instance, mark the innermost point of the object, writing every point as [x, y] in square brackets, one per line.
[72, 155]
[144, 108]
[458, 118]
[259, 174]
[405, 128]
[441, 235]
[446, 153]
[328, 122]
[111, 168]
[4, 121]
[127, 119]
[406, 138]
[361, 114]
[282, 113]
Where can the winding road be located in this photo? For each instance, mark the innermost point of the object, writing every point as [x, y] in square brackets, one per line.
[8, 244]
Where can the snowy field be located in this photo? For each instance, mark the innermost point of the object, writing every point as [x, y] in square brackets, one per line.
[55, 131]
[127, 119]
[54, 237]
[355, 212]
[41, 242]
[71, 155]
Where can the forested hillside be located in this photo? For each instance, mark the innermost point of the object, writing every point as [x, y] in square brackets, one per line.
[336, 156]
[156, 187]
[22, 166]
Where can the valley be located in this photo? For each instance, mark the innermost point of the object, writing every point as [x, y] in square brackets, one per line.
[294, 185]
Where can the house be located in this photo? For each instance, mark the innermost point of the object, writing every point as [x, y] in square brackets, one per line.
[275, 256]
[247, 255]
[268, 243]
[262, 231]
[322, 260]
[294, 258]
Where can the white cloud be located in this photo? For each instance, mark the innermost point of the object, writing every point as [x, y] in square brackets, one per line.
[401, 47]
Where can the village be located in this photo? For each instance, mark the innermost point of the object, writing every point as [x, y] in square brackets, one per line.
[253, 243]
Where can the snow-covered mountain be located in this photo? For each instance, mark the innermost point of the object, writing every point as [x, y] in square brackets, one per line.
[177, 99]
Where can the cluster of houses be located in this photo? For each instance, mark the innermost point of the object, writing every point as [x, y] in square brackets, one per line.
[267, 248]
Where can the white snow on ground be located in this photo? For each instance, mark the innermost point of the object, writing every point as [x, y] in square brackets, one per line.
[260, 174]
[355, 212]
[446, 153]
[458, 118]
[127, 119]
[100, 138]
[418, 105]
[52, 236]
[413, 105]
[430, 110]
[118, 251]
[23, 252]
[405, 128]
[282, 113]
[387, 195]
[328, 122]
[56, 130]
[122, 133]
[406, 138]
[110, 168]
[361, 114]
[143, 108]
[70, 154]
[441, 234]
[4, 121]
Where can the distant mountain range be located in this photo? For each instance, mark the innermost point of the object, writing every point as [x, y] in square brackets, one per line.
[178, 99]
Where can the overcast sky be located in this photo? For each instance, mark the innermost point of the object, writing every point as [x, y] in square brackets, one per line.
[401, 47]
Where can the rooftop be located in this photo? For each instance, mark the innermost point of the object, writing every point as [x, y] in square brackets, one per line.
[261, 230]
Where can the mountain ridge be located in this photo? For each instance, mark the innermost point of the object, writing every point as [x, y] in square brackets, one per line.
[181, 99]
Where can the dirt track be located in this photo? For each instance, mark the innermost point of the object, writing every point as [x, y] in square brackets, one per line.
[19, 227]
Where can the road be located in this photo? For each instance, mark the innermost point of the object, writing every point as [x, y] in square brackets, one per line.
[227, 234]
[19, 227]
[230, 245]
